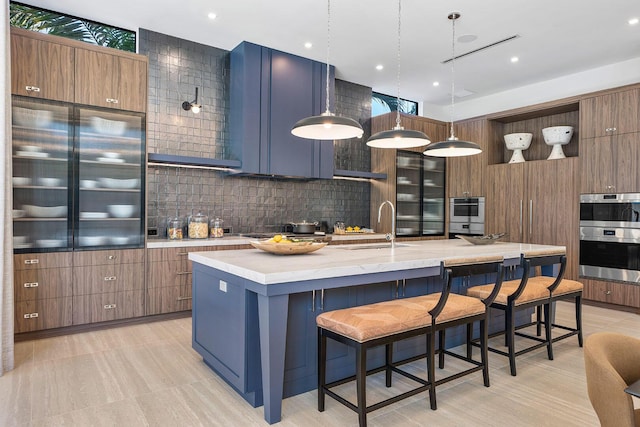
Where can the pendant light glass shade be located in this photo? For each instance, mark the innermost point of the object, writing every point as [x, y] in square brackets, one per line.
[398, 137]
[452, 146]
[327, 126]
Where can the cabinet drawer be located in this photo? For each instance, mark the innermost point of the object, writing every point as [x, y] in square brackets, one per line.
[107, 306]
[169, 299]
[49, 313]
[168, 254]
[99, 279]
[168, 273]
[627, 294]
[42, 284]
[113, 257]
[39, 261]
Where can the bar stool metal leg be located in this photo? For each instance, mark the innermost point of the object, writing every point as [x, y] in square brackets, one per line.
[361, 385]
[322, 363]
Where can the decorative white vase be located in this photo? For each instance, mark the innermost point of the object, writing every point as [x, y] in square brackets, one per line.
[517, 142]
[557, 136]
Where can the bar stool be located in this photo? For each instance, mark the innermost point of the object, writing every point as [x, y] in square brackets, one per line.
[381, 324]
[537, 292]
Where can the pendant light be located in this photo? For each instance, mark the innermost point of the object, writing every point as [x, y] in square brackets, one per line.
[327, 126]
[398, 137]
[452, 146]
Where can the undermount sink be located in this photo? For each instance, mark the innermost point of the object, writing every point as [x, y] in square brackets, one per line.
[378, 246]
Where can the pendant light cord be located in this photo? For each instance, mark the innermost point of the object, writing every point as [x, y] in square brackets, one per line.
[398, 72]
[453, 18]
[328, 112]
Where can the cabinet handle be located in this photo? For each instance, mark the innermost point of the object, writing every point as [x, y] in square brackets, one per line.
[110, 278]
[112, 100]
[182, 253]
[112, 257]
[530, 216]
[610, 129]
[30, 315]
[313, 300]
[32, 88]
[31, 261]
[607, 292]
[322, 300]
[183, 273]
[31, 285]
[183, 298]
[109, 306]
[521, 212]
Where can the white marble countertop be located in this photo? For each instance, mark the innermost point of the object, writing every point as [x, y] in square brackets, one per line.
[240, 240]
[350, 260]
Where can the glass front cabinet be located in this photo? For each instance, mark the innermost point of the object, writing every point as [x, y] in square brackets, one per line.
[78, 177]
[420, 194]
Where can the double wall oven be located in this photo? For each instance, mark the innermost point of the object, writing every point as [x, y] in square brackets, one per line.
[466, 216]
[610, 236]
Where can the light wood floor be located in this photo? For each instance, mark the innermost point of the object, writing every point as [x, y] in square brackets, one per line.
[148, 375]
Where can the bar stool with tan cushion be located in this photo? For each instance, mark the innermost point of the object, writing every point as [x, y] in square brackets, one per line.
[381, 324]
[537, 292]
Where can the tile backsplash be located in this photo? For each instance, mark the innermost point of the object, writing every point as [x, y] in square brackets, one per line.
[247, 204]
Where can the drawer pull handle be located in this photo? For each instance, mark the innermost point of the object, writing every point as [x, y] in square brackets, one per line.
[610, 129]
[183, 298]
[607, 293]
[112, 100]
[32, 88]
[110, 306]
[31, 285]
[30, 315]
[110, 278]
[31, 261]
[182, 253]
[183, 273]
[112, 257]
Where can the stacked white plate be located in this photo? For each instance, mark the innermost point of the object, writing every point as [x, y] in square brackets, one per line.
[93, 215]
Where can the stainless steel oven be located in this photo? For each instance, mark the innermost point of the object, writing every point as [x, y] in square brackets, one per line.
[466, 216]
[610, 236]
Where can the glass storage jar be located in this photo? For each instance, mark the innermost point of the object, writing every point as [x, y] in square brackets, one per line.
[175, 228]
[215, 228]
[198, 226]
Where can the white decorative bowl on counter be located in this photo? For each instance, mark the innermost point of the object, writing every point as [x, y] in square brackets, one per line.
[121, 211]
[517, 142]
[557, 136]
[28, 117]
[108, 127]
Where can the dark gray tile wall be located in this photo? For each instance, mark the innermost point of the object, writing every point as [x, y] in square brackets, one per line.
[247, 204]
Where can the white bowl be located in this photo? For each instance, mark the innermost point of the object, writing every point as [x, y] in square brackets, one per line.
[32, 118]
[520, 141]
[30, 148]
[50, 243]
[557, 135]
[108, 127]
[121, 211]
[111, 155]
[50, 182]
[88, 183]
[21, 180]
[45, 211]
[122, 184]
[93, 240]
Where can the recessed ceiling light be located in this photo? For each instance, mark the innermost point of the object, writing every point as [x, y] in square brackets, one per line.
[515, 59]
[436, 83]
[633, 21]
[212, 15]
[379, 67]
[467, 38]
[308, 45]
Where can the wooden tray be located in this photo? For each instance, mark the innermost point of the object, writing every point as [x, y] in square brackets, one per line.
[295, 248]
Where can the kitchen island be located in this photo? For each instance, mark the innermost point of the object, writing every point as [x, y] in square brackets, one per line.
[254, 312]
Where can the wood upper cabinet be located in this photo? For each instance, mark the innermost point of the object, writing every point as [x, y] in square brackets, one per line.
[536, 202]
[609, 164]
[41, 69]
[111, 80]
[611, 114]
[465, 175]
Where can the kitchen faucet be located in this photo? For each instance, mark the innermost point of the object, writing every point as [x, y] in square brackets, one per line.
[391, 236]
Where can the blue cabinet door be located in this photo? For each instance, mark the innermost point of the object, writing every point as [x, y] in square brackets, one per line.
[270, 92]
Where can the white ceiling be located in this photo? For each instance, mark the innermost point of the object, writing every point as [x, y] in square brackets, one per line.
[557, 37]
